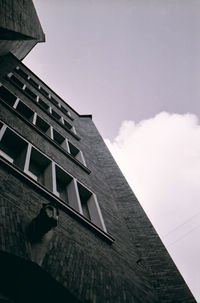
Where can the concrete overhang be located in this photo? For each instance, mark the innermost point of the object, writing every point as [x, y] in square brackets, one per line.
[20, 28]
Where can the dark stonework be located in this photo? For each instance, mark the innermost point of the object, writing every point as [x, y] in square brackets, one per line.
[134, 268]
[20, 29]
[73, 259]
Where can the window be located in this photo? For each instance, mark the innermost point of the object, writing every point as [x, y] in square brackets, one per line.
[43, 104]
[34, 163]
[22, 73]
[90, 206]
[44, 92]
[62, 182]
[13, 147]
[16, 81]
[39, 167]
[59, 139]
[64, 110]
[42, 125]
[76, 153]
[73, 150]
[84, 197]
[54, 101]
[7, 96]
[68, 126]
[66, 188]
[24, 110]
[30, 93]
[33, 83]
[55, 115]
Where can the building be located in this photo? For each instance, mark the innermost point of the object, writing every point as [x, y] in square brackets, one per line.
[71, 229]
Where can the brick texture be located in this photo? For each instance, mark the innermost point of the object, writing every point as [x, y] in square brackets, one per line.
[135, 268]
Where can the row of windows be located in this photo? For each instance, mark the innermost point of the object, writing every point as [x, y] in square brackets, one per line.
[42, 90]
[42, 169]
[42, 103]
[34, 118]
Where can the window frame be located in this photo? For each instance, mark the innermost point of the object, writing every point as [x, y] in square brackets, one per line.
[76, 208]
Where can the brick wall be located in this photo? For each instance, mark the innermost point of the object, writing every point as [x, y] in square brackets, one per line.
[162, 271]
[135, 268]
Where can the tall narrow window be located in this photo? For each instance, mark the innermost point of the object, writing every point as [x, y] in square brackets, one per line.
[59, 139]
[73, 150]
[42, 125]
[33, 83]
[55, 115]
[65, 187]
[44, 92]
[90, 206]
[76, 153]
[22, 73]
[67, 125]
[17, 81]
[62, 182]
[13, 148]
[39, 168]
[43, 104]
[25, 111]
[30, 93]
[54, 101]
[84, 197]
[64, 110]
[7, 96]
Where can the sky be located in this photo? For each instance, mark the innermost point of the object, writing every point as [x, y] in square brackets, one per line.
[135, 65]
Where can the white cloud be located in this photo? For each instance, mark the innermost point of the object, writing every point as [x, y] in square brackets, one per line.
[160, 158]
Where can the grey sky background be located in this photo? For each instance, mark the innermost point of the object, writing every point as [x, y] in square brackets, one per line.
[121, 59]
[131, 60]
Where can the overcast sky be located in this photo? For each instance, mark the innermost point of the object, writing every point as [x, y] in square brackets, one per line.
[135, 65]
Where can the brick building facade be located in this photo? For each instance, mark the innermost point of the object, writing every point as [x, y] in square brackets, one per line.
[92, 241]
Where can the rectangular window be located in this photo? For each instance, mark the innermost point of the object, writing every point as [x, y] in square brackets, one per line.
[30, 93]
[55, 115]
[59, 139]
[25, 111]
[66, 188]
[39, 167]
[43, 104]
[22, 73]
[67, 125]
[73, 150]
[84, 197]
[13, 148]
[17, 81]
[64, 110]
[44, 92]
[54, 101]
[7, 96]
[76, 153]
[62, 182]
[43, 170]
[90, 206]
[42, 125]
[33, 83]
